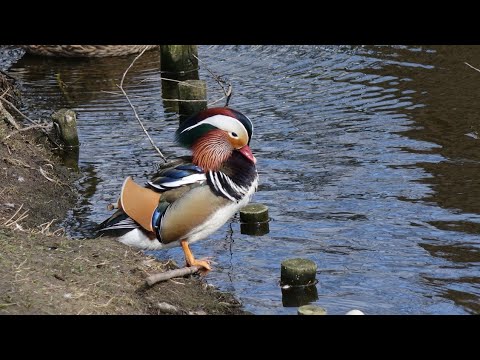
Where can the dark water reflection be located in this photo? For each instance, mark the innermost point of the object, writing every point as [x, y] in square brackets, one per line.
[368, 159]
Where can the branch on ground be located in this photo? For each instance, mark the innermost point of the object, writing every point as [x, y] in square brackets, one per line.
[155, 278]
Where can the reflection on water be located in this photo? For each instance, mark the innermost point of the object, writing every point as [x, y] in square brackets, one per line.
[299, 295]
[367, 156]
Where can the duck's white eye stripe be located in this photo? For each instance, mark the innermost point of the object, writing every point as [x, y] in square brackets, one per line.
[222, 122]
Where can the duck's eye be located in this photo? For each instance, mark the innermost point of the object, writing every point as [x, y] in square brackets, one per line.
[234, 134]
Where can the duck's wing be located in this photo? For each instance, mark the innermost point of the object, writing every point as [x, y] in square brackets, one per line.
[144, 206]
[177, 174]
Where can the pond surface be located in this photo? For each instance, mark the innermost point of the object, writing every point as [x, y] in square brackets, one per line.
[369, 160]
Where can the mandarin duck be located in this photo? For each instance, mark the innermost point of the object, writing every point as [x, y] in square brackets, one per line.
[190, 197]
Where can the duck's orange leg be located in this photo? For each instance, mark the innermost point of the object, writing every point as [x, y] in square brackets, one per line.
[191, 259]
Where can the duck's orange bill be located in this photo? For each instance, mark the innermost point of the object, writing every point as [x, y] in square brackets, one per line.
[247, 152]
[139, 202]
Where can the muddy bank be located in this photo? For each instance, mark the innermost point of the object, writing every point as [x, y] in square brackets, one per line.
[44, 272]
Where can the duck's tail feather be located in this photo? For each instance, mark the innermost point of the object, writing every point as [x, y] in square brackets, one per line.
[117, 224]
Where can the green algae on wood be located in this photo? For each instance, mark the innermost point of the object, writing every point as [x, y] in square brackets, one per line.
[297, 272]
[253, 213]
[66, 121]
[311, 310]
[192, 96]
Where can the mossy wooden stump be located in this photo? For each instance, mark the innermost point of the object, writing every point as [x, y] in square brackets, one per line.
[298, 272]
[193, 97]
[311, 310]
[253, 213]
[254, 219]
[66, 120]
[179, 62]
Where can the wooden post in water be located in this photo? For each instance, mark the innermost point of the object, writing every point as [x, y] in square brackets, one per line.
[66, 120]
[177, 62]
[254, 219]
[311, 310]
[295, 296]
[255, 229]
[66, 126]
[254, 212]
[194, 92]
[170, 96]
[298, 272]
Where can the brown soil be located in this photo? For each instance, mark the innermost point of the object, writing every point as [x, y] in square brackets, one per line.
[44, 272]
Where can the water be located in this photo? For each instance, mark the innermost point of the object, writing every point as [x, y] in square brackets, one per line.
[368, 160]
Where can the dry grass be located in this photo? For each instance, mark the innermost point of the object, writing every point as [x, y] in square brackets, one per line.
[42, 274]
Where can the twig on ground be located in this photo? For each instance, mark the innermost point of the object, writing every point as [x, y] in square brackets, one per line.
[16, 212]
[108, 302]
[55, 181]
[473, 67]
[155, 278]
[45, 227]
[19, 112]
[133, 108]
[36, 126]
[44, 174]
[14, 224]
[16, 162]
[7, 116]
[28, 119]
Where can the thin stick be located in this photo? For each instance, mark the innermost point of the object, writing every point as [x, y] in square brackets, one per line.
[153, 97]
[8, 117]
[16, 212]
[473, 67]
[220, 80]
[133, 108]
[18, 111]
[41, 126]
[155, 278]
[31, 121]
[58, 182]
[43, 172]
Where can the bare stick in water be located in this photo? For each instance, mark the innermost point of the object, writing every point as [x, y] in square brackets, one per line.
[133, 108]
[155, 278]
[221, 81]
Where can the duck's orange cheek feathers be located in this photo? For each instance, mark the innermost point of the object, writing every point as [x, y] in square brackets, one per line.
[237, 143]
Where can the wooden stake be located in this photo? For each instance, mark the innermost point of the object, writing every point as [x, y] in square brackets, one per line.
[179, 62]
[194, 92]
[66, 120]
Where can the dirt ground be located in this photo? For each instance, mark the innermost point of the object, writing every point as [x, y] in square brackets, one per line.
[44, 272]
